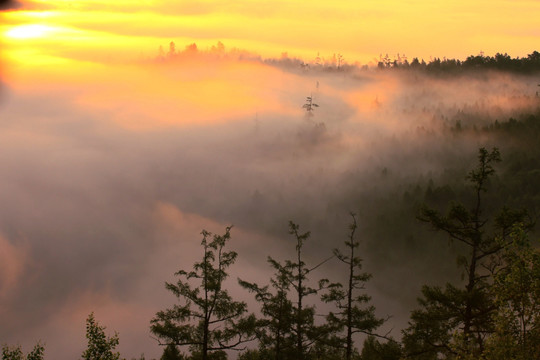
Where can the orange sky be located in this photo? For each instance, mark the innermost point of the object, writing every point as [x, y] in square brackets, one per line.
[47, 31]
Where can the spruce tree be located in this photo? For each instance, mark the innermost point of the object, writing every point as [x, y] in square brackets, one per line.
[207, 319]
[292, 332]
[456, 320]
[354, 314]
[100, 346]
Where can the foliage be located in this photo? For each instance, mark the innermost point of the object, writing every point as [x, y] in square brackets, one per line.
[303, 328]
[352, 315]
[517, 296]
[36, 353]
[214, 355]
[288, 329]
[375, 350]
[254, 354]
[274, 329]
[171, 352]
[327, 351]
[100, 347]
[455, 321]
[141, 357]
[16, 353]
[207, 319]
[501, 62]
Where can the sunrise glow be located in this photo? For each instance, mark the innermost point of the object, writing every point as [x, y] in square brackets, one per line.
[360, 31]
[128, 127]
[28, 31]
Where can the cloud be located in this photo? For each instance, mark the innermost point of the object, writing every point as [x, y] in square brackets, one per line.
[13, 262]
[273, 27]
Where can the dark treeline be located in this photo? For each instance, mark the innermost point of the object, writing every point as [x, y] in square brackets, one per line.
[518, 183]
[502, 62]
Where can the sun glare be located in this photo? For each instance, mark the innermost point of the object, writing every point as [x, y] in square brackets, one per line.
[30, 31]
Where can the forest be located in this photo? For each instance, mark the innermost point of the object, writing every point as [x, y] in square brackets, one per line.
[501, 62]
[493, 313]
[472, 223]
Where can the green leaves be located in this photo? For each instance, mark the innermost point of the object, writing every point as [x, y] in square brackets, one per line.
[516, 290]
[287, 329]
[458, 320]
[16, 353]
[100, 347]
[207, 319]
[12, 353]
[374, 350]
[352, 314]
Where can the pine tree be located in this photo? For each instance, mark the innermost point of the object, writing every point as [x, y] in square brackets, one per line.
[291, 332]
[274, 328]
[207, 319]
[100, 347]
[171, 352]
[456, 320]
[353, 315]
[375, 350]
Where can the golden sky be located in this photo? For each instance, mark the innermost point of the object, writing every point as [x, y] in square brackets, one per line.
[360, 30]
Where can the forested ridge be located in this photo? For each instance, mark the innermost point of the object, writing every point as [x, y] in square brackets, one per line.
[501, 62]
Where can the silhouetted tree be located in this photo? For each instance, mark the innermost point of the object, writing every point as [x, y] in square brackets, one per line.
[436, 66]
[290, 332]
[304, 329]
[171, 352]
[353, 315]
[309, 105]
[455, 320]
[16, 353]
[517, 297]
[375, 350]
[100, 346]
[219, 323]
[274, 330]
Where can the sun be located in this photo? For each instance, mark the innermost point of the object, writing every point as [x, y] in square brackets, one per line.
[29, 31]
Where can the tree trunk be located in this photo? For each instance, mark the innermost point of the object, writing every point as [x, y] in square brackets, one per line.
[299, 347]
[349, 304]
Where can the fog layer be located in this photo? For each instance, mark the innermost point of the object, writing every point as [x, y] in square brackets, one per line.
[110, 172]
